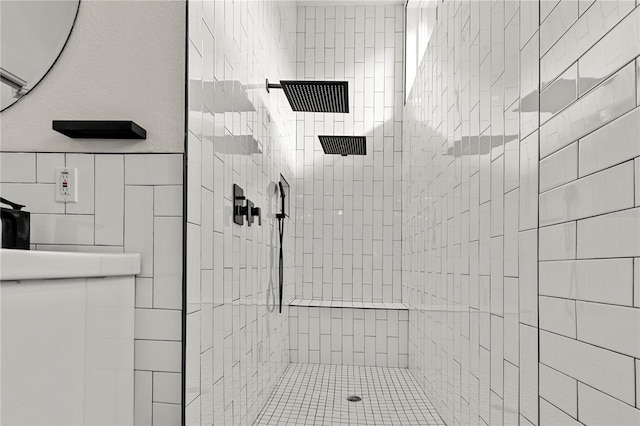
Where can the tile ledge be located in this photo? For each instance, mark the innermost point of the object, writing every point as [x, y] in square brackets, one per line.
[347, 304]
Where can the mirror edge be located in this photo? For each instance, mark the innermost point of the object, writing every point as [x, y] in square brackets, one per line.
[73, 25]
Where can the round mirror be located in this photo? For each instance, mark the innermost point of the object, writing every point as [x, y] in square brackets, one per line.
[32, 35]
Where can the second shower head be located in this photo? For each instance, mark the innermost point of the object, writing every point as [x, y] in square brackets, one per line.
[344, 145]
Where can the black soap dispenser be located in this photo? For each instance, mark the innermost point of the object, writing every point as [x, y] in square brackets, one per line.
[16, 226]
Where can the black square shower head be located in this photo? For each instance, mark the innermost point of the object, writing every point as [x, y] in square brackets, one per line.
[344, 145]
[315, 96]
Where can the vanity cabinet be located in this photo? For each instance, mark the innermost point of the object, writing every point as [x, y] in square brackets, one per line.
[66, 342]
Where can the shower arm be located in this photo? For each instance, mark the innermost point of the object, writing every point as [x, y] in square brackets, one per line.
[272, 85]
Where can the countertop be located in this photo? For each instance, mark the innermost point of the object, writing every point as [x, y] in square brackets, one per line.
[38, 265]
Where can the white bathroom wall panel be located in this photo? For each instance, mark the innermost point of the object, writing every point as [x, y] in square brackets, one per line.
[520, 211]
[237, 341]
[348, 209]
[126, 203]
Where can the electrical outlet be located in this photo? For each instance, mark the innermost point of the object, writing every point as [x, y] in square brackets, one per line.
[66, 185]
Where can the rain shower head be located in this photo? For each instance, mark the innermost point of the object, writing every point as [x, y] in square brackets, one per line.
[315, 96]
[344, 145]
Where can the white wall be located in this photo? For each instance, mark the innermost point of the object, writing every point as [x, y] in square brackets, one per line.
[348, 229]
[124, 61]
[237, 342]
[521, 221]
[348, 218]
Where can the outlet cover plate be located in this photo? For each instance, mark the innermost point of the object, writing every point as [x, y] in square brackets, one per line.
[66, 185]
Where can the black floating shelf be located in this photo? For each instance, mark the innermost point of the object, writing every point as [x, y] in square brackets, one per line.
[100, 129]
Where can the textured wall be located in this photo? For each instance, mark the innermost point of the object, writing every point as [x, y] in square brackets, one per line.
[124, 60]
[348, 223]
[237, 342]
[520, 147]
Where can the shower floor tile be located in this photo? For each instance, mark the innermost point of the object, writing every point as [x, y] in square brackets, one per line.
[313, 394]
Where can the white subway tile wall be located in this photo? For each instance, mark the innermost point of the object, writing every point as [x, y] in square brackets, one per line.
[19, 167]
[121, 207]
[501, 205]
[349, 336]
[348, 209]
[62, 229]
[237, 342]
[476, 231]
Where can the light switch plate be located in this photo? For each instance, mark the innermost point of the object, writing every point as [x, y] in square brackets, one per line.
[66, 185]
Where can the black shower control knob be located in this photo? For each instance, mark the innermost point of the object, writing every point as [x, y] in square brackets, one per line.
[247, 211]
[257, 211]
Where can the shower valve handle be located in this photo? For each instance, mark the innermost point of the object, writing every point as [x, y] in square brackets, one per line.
[247, 210]
[257, 211]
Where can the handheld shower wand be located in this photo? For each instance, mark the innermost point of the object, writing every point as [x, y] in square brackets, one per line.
[280, 217]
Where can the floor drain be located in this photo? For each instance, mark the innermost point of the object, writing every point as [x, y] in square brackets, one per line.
[354, 398]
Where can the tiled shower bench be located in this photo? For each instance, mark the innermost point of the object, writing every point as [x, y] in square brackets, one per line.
[349, 333]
